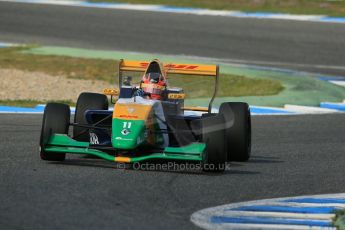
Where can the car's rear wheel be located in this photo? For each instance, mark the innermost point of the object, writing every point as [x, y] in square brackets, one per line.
[56, 119]
[213, 133]
[87, 101]
[238, 130]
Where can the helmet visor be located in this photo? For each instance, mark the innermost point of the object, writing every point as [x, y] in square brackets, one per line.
[154, 77]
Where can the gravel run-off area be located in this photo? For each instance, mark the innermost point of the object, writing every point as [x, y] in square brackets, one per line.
[23, 85]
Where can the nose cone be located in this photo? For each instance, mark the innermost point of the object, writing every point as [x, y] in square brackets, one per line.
[130, 119]
[127, 134]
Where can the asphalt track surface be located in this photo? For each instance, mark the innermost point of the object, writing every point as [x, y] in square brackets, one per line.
[308, 46]
[292, 155]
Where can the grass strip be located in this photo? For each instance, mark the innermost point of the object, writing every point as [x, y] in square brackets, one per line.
[339, 220]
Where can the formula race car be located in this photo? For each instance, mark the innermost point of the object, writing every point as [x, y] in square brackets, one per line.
[149, 121]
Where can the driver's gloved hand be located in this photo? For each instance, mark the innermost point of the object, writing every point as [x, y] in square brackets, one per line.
[139, 92]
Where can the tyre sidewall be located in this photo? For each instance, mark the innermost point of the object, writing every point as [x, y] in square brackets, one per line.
[238, 130]
[56, 119]
[213, 135]
[87, 101]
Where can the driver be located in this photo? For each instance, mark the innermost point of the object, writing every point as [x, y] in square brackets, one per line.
[152, 85]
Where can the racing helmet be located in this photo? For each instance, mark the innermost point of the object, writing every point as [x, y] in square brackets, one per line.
[153, 84]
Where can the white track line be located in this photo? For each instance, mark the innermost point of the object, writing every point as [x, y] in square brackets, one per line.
[308, 109]
[279, 215]
[340, 83]
[299, 204]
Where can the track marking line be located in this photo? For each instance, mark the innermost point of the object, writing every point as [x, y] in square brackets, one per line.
[302, 212]
[268, 221]
[265, 226]
[331, 105]
[280, 215]
[340, 83]
[309, 109]
[6, 44]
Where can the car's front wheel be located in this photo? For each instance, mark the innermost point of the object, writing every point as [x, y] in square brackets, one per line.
[87, 101]
[56, 119]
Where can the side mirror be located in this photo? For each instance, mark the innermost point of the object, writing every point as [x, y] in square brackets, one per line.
[176, 96]
[111, 92]
[127, 81]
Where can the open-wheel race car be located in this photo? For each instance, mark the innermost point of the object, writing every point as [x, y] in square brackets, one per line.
[149, 121]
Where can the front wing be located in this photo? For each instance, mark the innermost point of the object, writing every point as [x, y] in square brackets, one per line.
[61, 143]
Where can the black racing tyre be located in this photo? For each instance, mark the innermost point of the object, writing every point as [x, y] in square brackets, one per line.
[85, 102]
[56, 119]
[238, 130]
[213, 135]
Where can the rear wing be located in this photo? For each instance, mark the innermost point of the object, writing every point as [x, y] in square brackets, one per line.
[173, 68]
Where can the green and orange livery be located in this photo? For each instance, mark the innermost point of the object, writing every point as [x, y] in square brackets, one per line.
[140, 129]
